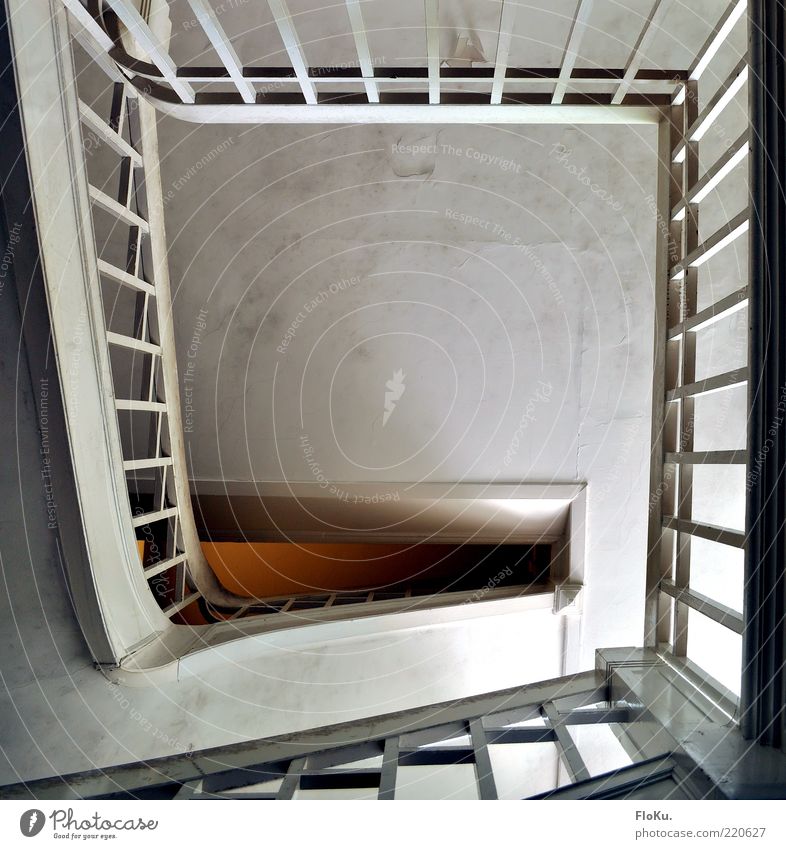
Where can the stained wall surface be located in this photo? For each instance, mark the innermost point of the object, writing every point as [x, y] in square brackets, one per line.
[494, 282]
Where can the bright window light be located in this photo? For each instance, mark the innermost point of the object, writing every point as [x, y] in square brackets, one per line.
[722, 35]
[735, 160]
[717, 650]
[726, 240]
[724, 101]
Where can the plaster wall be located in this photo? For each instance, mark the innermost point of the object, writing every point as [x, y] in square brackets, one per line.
[506, 273]
[62, 715]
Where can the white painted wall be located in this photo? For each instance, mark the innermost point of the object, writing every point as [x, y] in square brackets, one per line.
[507, 272]
[66, 716]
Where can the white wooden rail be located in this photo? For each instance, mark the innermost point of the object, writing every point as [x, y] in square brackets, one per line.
[671, 593]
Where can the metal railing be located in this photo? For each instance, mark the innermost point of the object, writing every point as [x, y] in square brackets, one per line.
[160, 522]
[144, 376]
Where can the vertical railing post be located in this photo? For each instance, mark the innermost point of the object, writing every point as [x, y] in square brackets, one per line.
[667, 194]
[687, 299]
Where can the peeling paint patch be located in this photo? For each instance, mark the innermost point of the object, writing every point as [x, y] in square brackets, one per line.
[414, 154]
